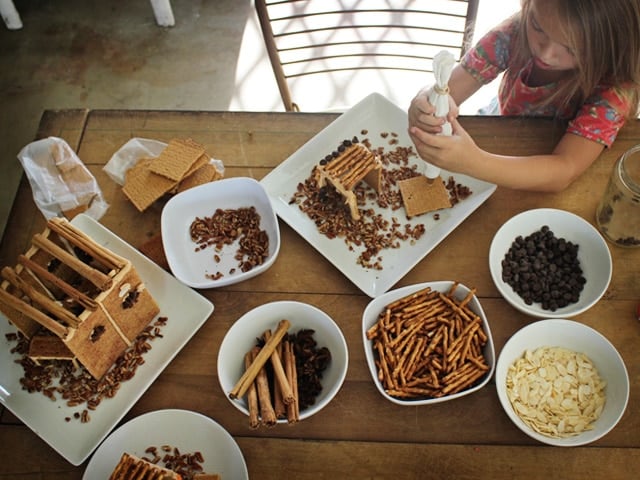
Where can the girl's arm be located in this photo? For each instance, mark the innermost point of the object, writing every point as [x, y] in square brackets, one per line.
[547, 173]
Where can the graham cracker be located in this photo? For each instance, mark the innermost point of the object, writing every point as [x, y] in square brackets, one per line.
[71, 213]
[421, 196]
[49, 347]
[202, 175]
[143, 187]
[177, 159]
[199, 163]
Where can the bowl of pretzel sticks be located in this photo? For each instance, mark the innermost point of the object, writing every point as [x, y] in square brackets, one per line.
[428, 343]
[282, 362]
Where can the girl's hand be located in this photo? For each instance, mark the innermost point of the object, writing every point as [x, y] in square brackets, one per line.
[422, 113]
[455, 153]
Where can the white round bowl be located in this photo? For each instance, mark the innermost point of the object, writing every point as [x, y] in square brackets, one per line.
[580, 338]
[190, 266]
[370, 317]
[242, 335]
[593, 254]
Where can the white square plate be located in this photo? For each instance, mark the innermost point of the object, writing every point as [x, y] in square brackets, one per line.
[375, 114]
[186, 311]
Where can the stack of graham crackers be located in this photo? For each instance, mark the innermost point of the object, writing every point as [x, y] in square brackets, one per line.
[183, 164]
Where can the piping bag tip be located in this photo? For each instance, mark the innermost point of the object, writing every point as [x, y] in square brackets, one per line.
[431, 172]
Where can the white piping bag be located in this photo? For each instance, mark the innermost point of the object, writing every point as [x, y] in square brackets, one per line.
[443, 64]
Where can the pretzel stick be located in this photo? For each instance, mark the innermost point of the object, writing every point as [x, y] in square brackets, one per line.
[99, 279]
[395, 305]
[43, 274]
[464, 381]
[250, 373]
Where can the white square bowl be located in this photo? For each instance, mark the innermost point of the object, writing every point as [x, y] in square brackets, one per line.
[375, 307]
[191, 267]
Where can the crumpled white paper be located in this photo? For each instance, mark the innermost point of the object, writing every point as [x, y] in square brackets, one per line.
[443, 64]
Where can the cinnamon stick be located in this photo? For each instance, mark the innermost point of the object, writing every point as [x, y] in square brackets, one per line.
[33, 313]
[42, 300]
[252, 395]
[267, 413]
[99, 279]
[293, 408]
[251, 373]
[43, 274]
[279, 374]
[66, 230]
[278, 403]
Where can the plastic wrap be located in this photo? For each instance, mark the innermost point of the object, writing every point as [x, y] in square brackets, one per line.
[61, 183]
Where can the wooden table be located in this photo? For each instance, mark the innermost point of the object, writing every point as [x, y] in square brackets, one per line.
[360, 434]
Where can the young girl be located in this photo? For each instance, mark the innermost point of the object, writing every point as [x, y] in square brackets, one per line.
[577, 60]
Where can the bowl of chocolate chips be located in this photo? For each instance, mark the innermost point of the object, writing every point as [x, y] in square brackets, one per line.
[550, 263]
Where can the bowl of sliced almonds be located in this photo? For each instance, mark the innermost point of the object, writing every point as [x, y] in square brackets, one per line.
[562, 382]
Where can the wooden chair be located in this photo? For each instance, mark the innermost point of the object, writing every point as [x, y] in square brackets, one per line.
[327, 37]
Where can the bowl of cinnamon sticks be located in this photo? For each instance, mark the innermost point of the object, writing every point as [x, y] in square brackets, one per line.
[428, 343]
[282, 362]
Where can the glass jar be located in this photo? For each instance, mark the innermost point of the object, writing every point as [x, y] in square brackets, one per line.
[618, 214]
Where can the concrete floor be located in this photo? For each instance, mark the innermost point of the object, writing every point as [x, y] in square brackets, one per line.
[111, 54]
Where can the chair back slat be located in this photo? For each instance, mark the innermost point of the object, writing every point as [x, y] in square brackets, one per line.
[309, 37]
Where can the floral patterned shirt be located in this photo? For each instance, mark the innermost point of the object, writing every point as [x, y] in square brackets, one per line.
[598, 119]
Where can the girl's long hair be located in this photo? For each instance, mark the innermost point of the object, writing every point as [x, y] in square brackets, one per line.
[605, 36]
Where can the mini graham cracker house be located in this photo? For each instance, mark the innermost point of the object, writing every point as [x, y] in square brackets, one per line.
[74, 299]
[351, 163]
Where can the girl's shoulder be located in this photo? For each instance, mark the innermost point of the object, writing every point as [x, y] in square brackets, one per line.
[492, 54]
[611, 96]
[602, 114]
[507, 31]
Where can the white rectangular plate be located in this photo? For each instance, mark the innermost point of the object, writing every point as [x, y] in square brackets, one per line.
[186, 311]
[376, 115]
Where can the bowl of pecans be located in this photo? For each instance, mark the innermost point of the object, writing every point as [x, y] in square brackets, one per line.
[550, 263]
[561, 382]
[220, 233]
[427, 343]
[282, 362]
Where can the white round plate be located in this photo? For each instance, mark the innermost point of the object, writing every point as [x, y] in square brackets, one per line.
[189, 431]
